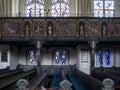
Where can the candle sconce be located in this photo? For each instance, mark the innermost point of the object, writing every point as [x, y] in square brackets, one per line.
[47, 11]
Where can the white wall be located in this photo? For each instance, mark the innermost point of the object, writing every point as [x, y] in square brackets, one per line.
[48, 57]
[4, 64]
[117, 56]
[83, 66]
[22, 57]
[14, 57]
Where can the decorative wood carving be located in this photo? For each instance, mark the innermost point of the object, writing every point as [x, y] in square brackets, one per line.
[93, 29]
[39, 28]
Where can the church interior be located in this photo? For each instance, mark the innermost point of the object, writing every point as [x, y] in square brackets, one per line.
[59, 44]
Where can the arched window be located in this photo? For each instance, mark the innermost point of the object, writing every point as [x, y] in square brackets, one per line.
[61, 57]
[60, 8]
[34, 8]
[104, 57]
[31, 57]
[104, 8]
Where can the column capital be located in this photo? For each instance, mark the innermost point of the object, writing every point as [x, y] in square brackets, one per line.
[39, 44]
[93, 44]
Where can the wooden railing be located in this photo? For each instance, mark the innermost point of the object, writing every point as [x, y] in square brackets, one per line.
[80, 27]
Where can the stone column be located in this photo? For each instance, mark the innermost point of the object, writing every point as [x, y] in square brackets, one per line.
[92, 54]
[38, 56]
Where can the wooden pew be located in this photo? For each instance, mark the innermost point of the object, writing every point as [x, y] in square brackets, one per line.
[10, 72]
[91, 82]
[4, 70]
[37, 80]
[13, 78]
[102, 74]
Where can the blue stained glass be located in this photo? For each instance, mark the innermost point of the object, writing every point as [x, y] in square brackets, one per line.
[32, 57]
[100, 57]
[63, 59]
[108, 57]
[57, 57]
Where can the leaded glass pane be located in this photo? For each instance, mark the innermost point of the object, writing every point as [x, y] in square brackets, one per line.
[54, 1]
[28, 1]
[64, 9]
[100, 57]
[108, 57]
[63, 58]
[39, 10]
[32, 57]
[66, 1]
[98, 4]
[109, 13]
[98, 13]
[60, 8]
[31, 6]
[57, 57]
[30, 13]
[103, 8]
[41, 1]
[109, 4]
[56, 9]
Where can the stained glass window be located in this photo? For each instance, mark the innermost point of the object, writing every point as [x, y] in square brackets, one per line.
[57, 57]
[34, 8]
[100, 57]
[60, 57]
[103, 8]
[104, 57]
[107, 57]
[60, 8]
[31, 57]
[63, 57]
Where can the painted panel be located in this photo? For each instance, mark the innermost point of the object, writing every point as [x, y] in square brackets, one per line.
[93, 29]
[12, 29]
[65, 28]
[114, 29]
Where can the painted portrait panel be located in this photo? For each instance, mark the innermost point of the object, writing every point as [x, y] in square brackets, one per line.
[93, 29]
[11, 29]
[115, 29]
[65, 28]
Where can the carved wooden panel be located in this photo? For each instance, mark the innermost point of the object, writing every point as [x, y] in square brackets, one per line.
[65, 28]
[27, 31]
[12, 29]
[39, 28]
[114, 29]
[93, 29]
